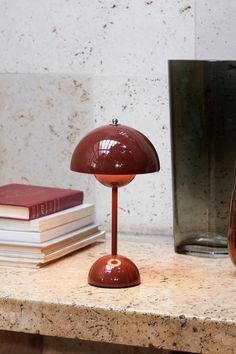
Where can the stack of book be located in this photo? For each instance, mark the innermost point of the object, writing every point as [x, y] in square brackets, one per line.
[41, 224]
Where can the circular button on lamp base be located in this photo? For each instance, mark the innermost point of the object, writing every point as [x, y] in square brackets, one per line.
[114, 271]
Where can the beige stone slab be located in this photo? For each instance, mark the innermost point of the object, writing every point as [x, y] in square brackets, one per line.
[184, 303]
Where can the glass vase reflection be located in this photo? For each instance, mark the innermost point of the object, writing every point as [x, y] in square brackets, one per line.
[203, 125]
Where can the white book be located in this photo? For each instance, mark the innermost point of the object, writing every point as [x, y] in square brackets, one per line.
[35, 262]
[48, 246]
[49, 221]
[30, 236]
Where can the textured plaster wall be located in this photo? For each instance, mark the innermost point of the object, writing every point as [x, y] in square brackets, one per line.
[41, 116]
[215, 29]
[92, 61]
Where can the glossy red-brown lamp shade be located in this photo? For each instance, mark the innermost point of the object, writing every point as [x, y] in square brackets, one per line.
[114, 153]
[115, 149]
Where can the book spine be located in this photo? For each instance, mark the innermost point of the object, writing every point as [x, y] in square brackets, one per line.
[52, 206]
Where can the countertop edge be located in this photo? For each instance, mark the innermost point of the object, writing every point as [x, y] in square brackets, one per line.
[128, 327]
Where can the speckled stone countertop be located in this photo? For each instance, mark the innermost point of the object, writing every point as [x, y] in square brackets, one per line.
[184, 303]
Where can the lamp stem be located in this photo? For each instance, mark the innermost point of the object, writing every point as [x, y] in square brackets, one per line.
[114, 220]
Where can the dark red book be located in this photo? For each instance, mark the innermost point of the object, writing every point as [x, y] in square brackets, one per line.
[21, 201]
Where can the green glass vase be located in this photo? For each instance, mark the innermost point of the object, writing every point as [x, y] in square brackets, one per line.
[203, 128]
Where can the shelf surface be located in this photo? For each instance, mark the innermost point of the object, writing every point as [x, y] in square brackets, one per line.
[183, 303]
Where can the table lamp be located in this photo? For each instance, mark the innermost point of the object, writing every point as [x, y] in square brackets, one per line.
[114, 153]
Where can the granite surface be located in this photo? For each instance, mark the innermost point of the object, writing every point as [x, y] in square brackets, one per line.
[184, 303]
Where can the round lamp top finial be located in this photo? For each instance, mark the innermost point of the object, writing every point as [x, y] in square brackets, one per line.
[114, 121]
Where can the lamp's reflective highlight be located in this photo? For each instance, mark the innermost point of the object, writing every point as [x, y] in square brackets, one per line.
[114, 153]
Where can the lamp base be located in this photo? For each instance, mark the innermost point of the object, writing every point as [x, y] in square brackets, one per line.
[114, 271]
